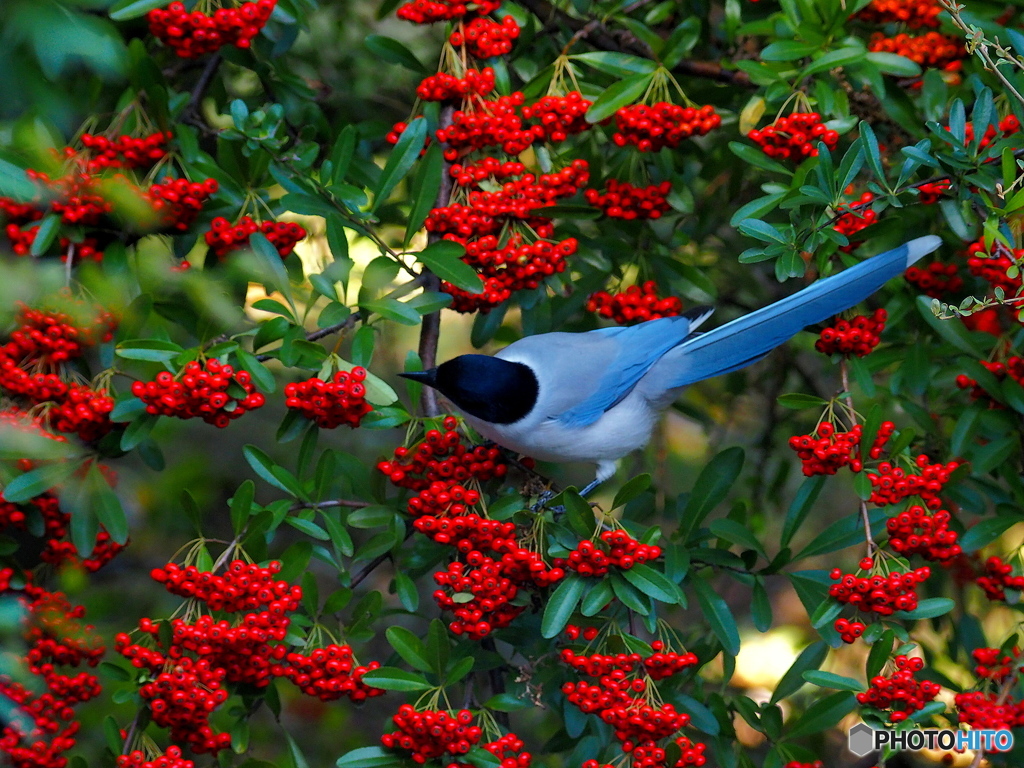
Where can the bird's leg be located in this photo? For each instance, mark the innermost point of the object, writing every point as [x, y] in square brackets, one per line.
[605, 471]
[589, 487]
[543, 499]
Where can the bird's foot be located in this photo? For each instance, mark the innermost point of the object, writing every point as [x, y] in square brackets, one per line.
[542, 500]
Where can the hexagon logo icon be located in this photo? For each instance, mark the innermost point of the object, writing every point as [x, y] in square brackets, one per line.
[861, 739]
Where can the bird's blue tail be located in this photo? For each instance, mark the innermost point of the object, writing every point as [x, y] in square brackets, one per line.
[749, 338]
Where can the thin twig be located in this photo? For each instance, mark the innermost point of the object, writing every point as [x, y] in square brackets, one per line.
[430, 330]
[347, 503]
[203, 83]
[868, 538]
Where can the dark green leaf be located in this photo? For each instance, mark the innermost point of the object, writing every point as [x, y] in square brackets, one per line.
[810, 658]
[410, 648]
[617, 96]
[394, 52]
[561, 605]
[443, 259]
[401, 160]
[711, 488]
[394, 679]
[651, 583]
[718, 615]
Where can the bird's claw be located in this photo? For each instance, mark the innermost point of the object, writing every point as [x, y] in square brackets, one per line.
[542, 500]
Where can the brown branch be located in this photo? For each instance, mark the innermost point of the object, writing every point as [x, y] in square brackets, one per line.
[430, 331]
[606, 39]
[371, 566]
[317, 335]
[203, 83]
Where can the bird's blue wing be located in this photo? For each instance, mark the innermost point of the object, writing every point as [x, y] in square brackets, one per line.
[749, 338]
[639, 347]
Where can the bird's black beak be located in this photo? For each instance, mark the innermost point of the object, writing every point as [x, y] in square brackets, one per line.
[423, 377]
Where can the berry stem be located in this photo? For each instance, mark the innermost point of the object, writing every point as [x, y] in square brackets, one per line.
[869, 540]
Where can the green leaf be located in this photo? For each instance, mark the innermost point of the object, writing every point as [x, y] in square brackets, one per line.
[930, 608]
[719, 617]
[736, 533]
[872, 153]
[617, 96]
[425, 186]
[788, 50]
[597, 598]
[263, 466]
[762, 230]
[123, 10]
[36, 481]
[831, 680]
[443, 258]
[241, 505]
[261, 377]
[394, 679]
[438, 644]
[832, 59]
[800, 400]
[506, 702]
[394, 52]
[824, 714]
[952, 331]
[757, 158]
[810, 658]
[47, 234]
[410, 648]
[651, 583]
[368, 757]
[309, 528]
[894, 64]
[152, 350]
[271, 260]
[631, 490]
[579, 514]
[401, 160]
[392, 309]
[761, 607]
[107, 505]
[986, 531]
[617, 64]
[758, 207]
[711, 488]
[561, 605]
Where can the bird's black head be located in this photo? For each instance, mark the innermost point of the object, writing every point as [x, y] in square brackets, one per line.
[494, 390]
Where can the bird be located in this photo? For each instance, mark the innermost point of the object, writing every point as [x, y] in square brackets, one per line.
[597, 395]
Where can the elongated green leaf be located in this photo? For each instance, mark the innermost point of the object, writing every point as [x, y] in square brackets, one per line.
[832, 680]
[651, 583]
[410, 648]
[443, 258]
[718, 615]
[810, 658]
[615, 97]
[368, 757]
[261, 377]
[711, 488]
[390, 50]
[401, 160]
[561, 605]
[263, 466]
[824, 714]
[832, 59]
[123, 10]
[394, 679]
[757, 158]
[618, 64]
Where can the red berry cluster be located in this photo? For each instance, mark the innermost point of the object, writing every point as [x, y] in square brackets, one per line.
[933, 191]
[849, 630]
[798, 764]
[1008, 126]
[827, 451]
[170, 759]
[194, 34]
[935, 279]
[883, 594]
[489, 124]
[559, 116]
[189, 675]
[429, 734]
[200, 391]
[914, 13]
[900, 694]
[635, 304]
[469, 174]
[484, 37]
[853, 218]
[989, 711]
[124, 151]
[445, 87]
[621, 200]
[662, 124]
[916, 532]
[84, 412]
[53, 336]
[856, 336]
[328, 673]
[932, 49]
[509, 750]
[342, 400]
[225, 237]
[429, 11]
[659, 665]
[997, 579]
[41, 725]
[177, 202]
[794, 137]
[892, 484]
[1012, 367]
[86, 250]
[588, 559]
[993, 664]
[992, 265]
[442, 456]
